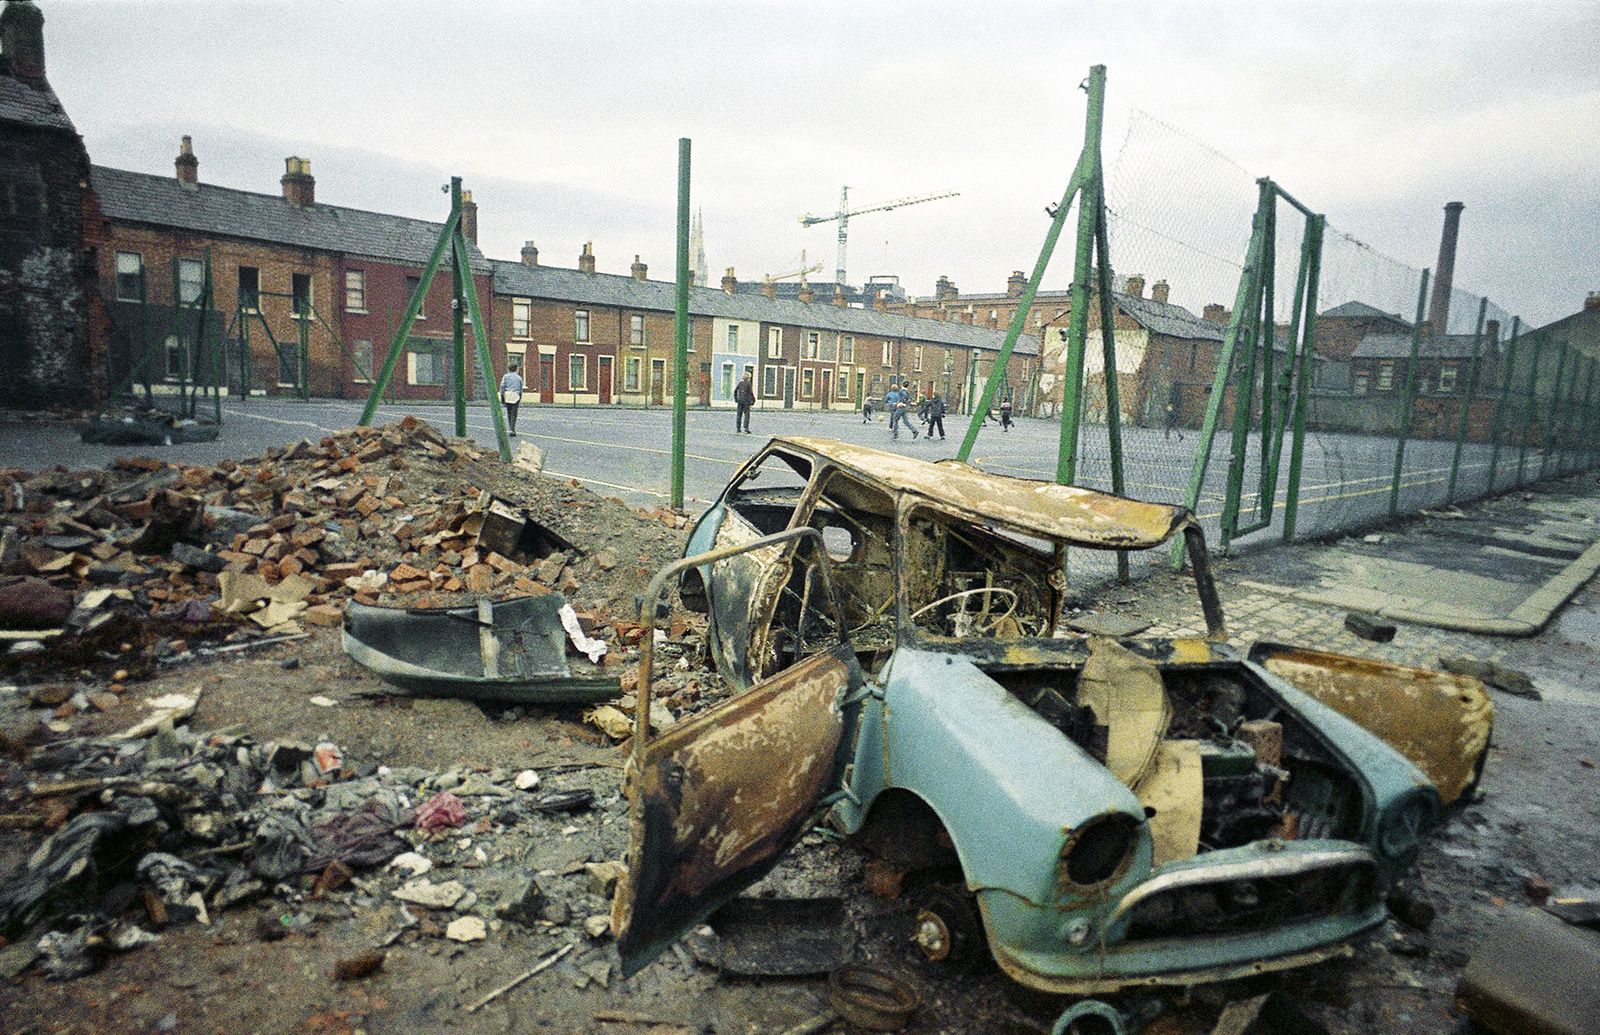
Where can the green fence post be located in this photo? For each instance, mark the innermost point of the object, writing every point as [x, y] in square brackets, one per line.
[1308, 360]
[1244, 392]
[1466, 402]
[1266, 494]
[480, 338]
[458, 340]
[397, 345]
[680, 331]
[1500, 403]
[1108, 346]
[1530, 407]
[1409, 399]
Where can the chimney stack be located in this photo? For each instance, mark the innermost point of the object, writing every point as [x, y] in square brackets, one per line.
[730, 283]
[768, 288]
[805, 294]
[1016, 284]
[880, 303]
[639, 270]
[299, 187]
[838, 296]
[1444, 273]
[22, 40]
[1592, 301]
[586, 258]
[530, 254]
[1135, 285]
[943, 289]
[1159, 291]
[1215, 313]
[187, 164]
[1491, 332]
[469, 217]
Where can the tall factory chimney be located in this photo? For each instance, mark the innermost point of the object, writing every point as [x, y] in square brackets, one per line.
[1444, 272]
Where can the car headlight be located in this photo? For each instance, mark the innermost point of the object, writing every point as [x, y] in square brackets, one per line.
[1403, 824]
[1100, 849]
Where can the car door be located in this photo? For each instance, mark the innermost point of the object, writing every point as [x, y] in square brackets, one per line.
[717, 800]
[1439, 721]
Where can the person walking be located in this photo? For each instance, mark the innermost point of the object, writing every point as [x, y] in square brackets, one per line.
[1005, 414]
[1172, 422]
[935, 416]
[744, 397]
[899, 412]
[866, 410]
[511, 396]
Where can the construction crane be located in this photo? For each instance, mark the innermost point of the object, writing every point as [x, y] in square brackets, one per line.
[845, 212]
[802, 271]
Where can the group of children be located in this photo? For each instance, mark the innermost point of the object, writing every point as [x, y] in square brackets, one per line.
[929, 410]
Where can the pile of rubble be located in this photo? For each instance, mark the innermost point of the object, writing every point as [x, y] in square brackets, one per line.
[120, 567]
[157, 827]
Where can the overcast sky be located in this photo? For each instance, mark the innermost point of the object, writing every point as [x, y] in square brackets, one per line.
[564, 119]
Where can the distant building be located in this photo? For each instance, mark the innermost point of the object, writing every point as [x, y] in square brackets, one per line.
[46, 302]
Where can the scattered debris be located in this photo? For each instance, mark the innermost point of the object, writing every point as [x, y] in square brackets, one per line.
[871, 998]
[776, 937]
[361, 965]
[1533, 973]
[440, 812]
[1507, 680]
[466, 929]
[544, 964]
[1369, 627]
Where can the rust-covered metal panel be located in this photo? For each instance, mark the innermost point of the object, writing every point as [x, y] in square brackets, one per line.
[1081, 517]
[1440, 721]
[715, 801]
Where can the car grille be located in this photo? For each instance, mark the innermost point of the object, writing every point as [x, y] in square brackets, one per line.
[1250, 904]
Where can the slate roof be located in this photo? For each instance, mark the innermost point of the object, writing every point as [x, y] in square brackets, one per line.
[1398, 346]
[1361, 310]
[224, 211]
[33, 106]
[1174, 321]
[608, 289]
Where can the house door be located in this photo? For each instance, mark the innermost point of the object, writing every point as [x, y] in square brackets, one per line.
[861, 387]
[788, 388]
[705, 384]
[547, 379]
[603, 379]
[827, 388]
[658, 381]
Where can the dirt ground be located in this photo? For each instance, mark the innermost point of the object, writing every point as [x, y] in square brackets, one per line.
[1530, 830]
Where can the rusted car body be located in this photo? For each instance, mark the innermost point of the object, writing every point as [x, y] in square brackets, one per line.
[1108, 813]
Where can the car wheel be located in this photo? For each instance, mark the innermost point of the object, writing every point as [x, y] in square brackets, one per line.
[946, 929]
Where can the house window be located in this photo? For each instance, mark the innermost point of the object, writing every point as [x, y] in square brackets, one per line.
[727, 381]
[130, 277]
[636, 331]
[769, 381]
[177, 359]
[888, 353]
[191, 280]
[300, 294]
[1360, 384]
[813, 344]
[774, 343]
[361, 360]
[630, 374]
[521, 317]
[1447, 378]
[733, 338]
[412, 284]
[580, 325]
[427, 362]
[916, 359]
[847, 349]
[842, 379]
[249, 288]
[355, 291]
[808, 383]
[577, 372]
[1385, 377]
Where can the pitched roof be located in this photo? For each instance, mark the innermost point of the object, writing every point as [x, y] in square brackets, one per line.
[1361, 310]
[209, 209]
[608, 289]
[1174, 321]
[1398, 346]
[30, 105]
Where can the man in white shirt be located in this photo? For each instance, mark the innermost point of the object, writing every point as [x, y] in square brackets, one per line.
[511, 396]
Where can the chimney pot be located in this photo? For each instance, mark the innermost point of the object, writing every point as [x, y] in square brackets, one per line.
[22, 40]
[586, 258]
[469, 217]
[639, 270]
[299, 186]
[730, 283]
[530, 254]
[1016, 284]
[1135, 286]
[1159, 291]
[1491, 332]
[187, 165]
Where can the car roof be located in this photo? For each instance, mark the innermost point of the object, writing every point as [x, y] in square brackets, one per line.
[1080, 517]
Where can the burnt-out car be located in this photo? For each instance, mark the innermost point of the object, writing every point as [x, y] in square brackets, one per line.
[1095, 813]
